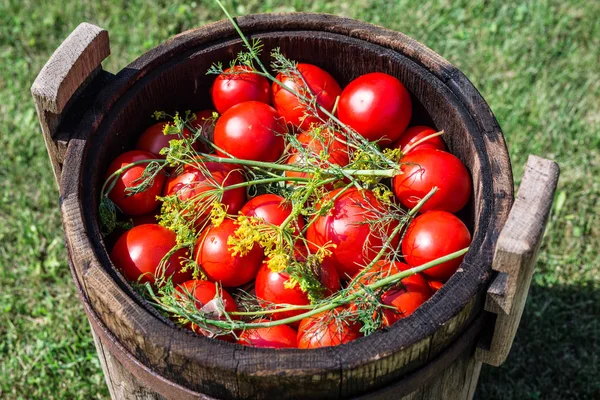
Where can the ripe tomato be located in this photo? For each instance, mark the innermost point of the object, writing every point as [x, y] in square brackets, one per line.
[425, 168]
[204, 120]
[280, 336]
[136, 220]
[250, 131]
[318, 142]
[320, 83]
[153, 139]
[138, 253]
[432, 235]
[377, 106]
[239, 86]
[347, 226]
[271, 208]
[270, 288]
[323, 330]
[414, 134]
[139, 203]
[200, 183]
[435, 285]
[214, 255]
[205, 293]
[406, 296]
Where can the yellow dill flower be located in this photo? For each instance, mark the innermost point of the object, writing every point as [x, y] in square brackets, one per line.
[245, 236]
[393, 154]
[324, 251]
[290, 283]
[277, 262]
[170, 129]
[218, 213]
[383, 194]
[364, 160]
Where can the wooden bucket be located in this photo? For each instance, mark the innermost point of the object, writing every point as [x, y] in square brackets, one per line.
[89, 116]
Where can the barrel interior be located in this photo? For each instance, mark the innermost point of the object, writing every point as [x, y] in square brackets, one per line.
[181, 84]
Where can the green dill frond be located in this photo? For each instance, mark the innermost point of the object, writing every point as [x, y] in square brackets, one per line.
[281, 64]
[146, 180]
[247, 57]
[215, 69]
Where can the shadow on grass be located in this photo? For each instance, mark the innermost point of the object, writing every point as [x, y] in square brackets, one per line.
[556, 352]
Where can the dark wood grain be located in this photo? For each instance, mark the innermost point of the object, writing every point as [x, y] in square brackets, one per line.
[172, 77]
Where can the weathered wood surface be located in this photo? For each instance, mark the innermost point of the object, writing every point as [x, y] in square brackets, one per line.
[172, 77]
[515, 255]
[76, 61]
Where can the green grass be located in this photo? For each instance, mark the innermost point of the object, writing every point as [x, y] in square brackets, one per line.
[536, 63]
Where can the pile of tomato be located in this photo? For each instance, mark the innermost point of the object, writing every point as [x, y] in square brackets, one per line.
[254, 120]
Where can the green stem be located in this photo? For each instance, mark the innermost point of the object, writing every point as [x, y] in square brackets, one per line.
[386, 173]
[334, 198]
[118, 172]
[422, 140]
[239, 31]
[336, 302]
[272, 311]
[295, 212]
[266, 180]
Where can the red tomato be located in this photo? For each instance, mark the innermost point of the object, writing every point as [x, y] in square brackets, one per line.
[214, 255]
[153, 139]
[280, 336]
[193, 183]
[377, 106]
[406, 297]
[330, 278]
[250, 131]
[139, 251]
[320, 83]
[432, 235]
[204, 120]
[323, 330]
[231, 89]
[271, 208]
[270, 288]
[205, 293]
[425, 168]
[415, 133]
[435, 285]
[346, 225]
[315, 142]
[139, 203]
[112, 238]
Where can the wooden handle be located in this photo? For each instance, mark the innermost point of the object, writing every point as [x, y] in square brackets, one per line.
[516, 252]
[72, 66]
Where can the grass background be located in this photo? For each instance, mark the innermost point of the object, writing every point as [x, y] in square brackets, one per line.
[535, 62]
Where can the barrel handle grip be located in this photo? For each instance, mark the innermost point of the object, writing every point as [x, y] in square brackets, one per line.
[72, 66]
[515, 255]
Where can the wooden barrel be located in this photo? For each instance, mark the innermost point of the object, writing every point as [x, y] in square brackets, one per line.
[89, 116]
